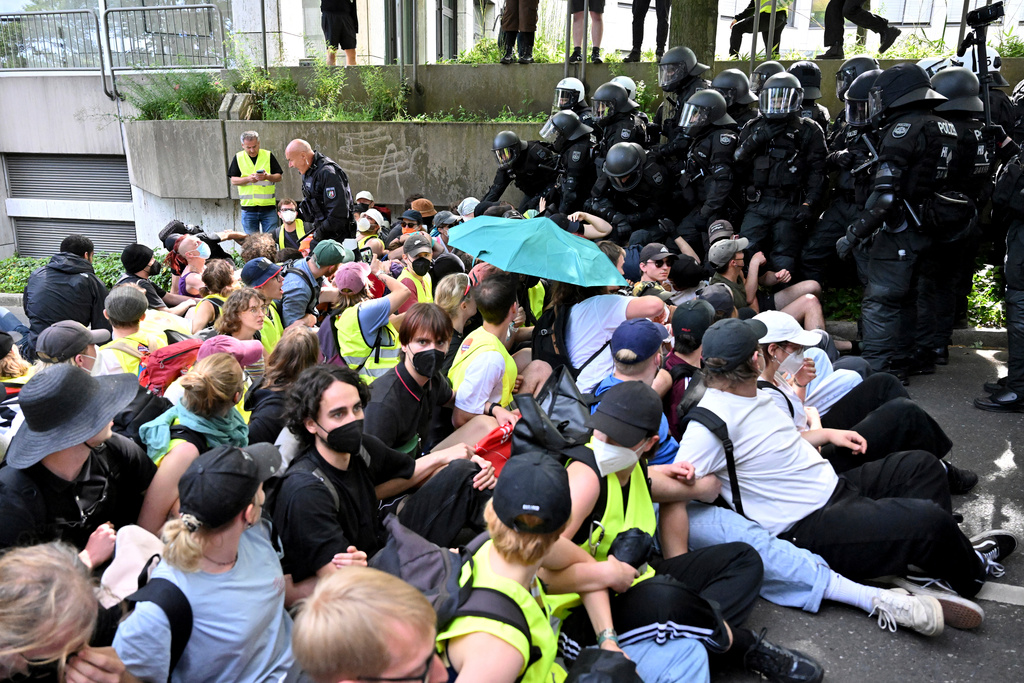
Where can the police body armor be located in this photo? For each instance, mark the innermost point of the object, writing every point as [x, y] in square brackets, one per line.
[533, 172]
[707, 181]
[790, 165]
[639, 207]
[817, 113]
[627, 127]
[855, 179]
[577, 174]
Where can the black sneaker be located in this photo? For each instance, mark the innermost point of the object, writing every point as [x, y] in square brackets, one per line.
[780, 664]
[960, 480]
[941, 354]
[632, 57]
[595, 56]
[658, 55]
[994, 546]
[576, 56]
[889, 37]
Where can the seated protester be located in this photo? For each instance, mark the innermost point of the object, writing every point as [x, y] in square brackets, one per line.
[366, 338]
[593, 317]
[266, 277]
[301, 289]
[265, 401]
[327, 508]
[258, 245]
[636, 348]
[454, 296]
[417, 256]
[483, 374]
[218, 283]
[125, 308]
[706, 594]
[247, 353]
[404, 400]
[243, 315]
[686, 276]
[15, 371]
[410, 223]
[292, 231]
[721, 299]
[364, 624]
[800, 299]
[655, 262]
[139, 267]
[205, 418]
[69, 342]
[186, 257]
[218, 553]
[286, 256]
[689, 323]
[445, 265]
[67, 476]
[874, 520]
[368, 229]
[879, 408]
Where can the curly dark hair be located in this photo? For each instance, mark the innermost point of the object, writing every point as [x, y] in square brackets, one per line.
[304, 396]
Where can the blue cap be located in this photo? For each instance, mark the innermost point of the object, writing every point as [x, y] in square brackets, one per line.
[257, 272]
[641, 336]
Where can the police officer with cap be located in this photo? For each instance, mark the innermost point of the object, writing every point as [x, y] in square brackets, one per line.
[327, 198]
[734, 86]
[531, 164]
[809, 76]
[632, 193]
[574, 143]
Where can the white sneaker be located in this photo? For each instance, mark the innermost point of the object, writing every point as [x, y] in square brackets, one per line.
[898, 607]
[957, 612]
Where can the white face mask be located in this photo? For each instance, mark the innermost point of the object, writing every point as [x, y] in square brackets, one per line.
[363, 224]
[793, 363]
[613, 458]
[288, 216]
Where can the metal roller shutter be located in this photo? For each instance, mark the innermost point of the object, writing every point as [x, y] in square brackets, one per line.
[69, 177]
[41, 237]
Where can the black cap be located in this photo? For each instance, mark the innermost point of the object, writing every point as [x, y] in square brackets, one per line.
[732, 340]
[685, 272]
[629, 412]
[693, 318]
[221, 482]
[6, 344]
[66, 339]
[413, 215]
[533, 484]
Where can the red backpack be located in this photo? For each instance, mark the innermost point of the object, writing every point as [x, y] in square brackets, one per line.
[157, 369]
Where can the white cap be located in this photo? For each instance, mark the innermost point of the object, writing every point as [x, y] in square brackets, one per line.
[377, 218]
[364, 195]
[782, 327]
[467, 206]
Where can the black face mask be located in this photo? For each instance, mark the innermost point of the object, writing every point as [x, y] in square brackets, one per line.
[155, 269]
[346, 438]
[427, 362]
[421, 266]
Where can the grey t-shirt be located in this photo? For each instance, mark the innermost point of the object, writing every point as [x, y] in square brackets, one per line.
[240, 629]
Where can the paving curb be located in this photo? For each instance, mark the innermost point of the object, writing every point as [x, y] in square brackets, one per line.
[9, 300]
[987, 337]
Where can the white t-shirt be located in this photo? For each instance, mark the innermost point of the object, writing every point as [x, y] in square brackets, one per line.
[106, 364]
[591, 324]
[482, 382]
[782, 477]
[780, 398]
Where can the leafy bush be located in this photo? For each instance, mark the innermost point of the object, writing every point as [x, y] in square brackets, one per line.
[175, 95]
[1010, 44]
[14, 271]
[387, 94]
[842, 304]
[985, 302]
[648, 97]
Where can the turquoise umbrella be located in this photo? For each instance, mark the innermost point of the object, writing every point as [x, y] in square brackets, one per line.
[535, 247]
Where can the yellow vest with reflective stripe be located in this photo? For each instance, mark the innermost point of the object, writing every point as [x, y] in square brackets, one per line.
[260, 193]
[477, 342]
[536, 294]
[300, 232]
[141, 341]
[352, 348]
[424, 286]
[538, 617]
[273, 328]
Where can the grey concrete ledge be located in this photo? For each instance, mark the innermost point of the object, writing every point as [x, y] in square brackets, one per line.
[987, 337]
[9, 300]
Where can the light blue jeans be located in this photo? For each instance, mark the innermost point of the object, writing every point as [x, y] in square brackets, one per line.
[10, 323]
[793, 577]
[679, 659]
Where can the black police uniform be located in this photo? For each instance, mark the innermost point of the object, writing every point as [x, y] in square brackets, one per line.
[817, 113]
[1003, 112]
[534, 173]
[742, 114]
[625, 127]
[577, 174]
[586, 114]
[673, 151]
[707, 184]
[634, 215]
[785, 172]
[327, 200]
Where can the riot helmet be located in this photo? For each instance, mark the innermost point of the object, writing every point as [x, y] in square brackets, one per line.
[611, 99]
[734, 86]
[899, 86]
[851, 68]
[678, 67]
[568, 94]
[858, 112]
[995, 62]
[563, 127]
[628, 83]
[809, 76]
[703, 108]
[507, 147]
[624, 165]
[1018, 94]
[781, 96]
[762, 73]
[960, 87]
[933, 65]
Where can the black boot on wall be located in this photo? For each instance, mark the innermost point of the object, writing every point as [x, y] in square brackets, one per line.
[510, 47]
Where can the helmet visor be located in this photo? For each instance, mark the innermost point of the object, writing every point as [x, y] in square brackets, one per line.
[603, 108]
[780, 101]
[670, 73]
[564, 99]
[693, 118]
[549, 132]
[506, 156]
[729, 94]
[627, 182]
[844, 77]
[875, 104]
[757, 80]
[858, 112]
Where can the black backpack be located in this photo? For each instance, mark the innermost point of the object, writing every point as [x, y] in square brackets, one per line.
[694, 390]
[549, 339]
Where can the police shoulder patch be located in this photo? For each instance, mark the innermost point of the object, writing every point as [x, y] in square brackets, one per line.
[576, 155]
[625, 133]
[725, 139]
[658, 178]
[900, 129]
[331, 193]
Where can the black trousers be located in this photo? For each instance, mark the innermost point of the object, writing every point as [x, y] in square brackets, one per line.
[445, 504]
[819, 259]
[763, 25]
[1014, 271]
[880, 410]
[887, 515]
[839, 10]
[640, 8]
[770, 224]
[889, 311]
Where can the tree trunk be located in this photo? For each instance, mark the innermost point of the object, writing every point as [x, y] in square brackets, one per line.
[693, 24]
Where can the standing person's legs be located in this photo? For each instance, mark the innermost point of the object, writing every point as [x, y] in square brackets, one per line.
[661, 10]
[268, 219]
[855, 12]
[596, 28]
[328, 23]
[889, 283]
[834, 23]
[577, 27]
[736, 34]
[251, 221]
[640, 8]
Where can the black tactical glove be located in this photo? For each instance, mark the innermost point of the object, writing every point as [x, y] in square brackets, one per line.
[803, 212]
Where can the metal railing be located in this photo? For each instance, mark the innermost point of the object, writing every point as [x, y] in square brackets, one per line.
[38, 41]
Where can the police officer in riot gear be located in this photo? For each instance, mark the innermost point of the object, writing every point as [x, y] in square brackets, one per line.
[783, 155]
[679, 75]
[707, 181]
[845, 76]
[809, 76]
[532, 165]
[762, 73]
[1017, 100]
[734, 86]
[914, 155]
[1003, 113]
[852, 157]
[617, 115]
[632, 193]
[574, 143]
[570, 94]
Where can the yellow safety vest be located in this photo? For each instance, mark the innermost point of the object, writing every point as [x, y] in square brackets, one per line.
[424, 286]
[366, 238]
[536, 294]
[369, 361]
[478, 341]
[544, 640]
[140, 343]
[273, 328]
[300, 232]
[260, 193]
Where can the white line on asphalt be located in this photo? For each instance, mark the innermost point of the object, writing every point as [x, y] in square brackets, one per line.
[1001, 592]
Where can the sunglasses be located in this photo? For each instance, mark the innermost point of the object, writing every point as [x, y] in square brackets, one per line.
[660, 263]
[409, 224]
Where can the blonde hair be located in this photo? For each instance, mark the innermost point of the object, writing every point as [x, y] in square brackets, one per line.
[341, 631]
[516, 546]
[184, 539]
[451, 292]
[45, 592]
[210, 386]
[13, 365]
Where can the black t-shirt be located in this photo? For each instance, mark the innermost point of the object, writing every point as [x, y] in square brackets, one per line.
[154, 292]
[37, 506]
[312, 529]
[400, 408]
[235, 172]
